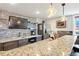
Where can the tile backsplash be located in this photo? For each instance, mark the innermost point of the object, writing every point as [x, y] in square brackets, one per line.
[4, 23]
[6, 33]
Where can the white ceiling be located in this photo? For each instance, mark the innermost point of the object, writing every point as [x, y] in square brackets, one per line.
[29, 9]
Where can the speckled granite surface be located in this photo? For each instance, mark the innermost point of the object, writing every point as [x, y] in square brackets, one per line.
[58, 47]
[3, 40]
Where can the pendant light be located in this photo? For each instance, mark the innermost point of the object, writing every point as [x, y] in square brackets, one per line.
[63, 18]
[51, 11]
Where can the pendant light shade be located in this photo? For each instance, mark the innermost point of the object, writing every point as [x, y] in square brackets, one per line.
[51, 11]
[63, 18]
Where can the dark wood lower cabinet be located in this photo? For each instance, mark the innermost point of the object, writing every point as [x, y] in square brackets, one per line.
[62, 33]
[14, 44]
[23, 42]
[10, 45]
[1, 47]
[39, 38]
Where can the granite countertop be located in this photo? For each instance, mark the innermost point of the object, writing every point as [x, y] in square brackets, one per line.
[3, 40]
[48, 47]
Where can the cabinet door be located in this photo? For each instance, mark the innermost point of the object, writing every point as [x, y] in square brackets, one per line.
[39, 38]
[1, 46]
[10, 45]
[23, 42]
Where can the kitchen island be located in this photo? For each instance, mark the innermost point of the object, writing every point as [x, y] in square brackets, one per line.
[48, 47]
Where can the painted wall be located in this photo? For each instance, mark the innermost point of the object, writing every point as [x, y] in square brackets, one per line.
[51, 24]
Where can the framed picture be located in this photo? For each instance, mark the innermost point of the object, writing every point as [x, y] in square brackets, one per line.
[60, 24]
[17, 22]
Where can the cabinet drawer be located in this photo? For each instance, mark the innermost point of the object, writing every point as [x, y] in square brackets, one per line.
[1, 44]
[1, 47]
[39, 38]
[10, 45]
[23, 42]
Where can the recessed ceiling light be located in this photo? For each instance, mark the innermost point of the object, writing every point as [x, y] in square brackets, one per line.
[37, 12]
